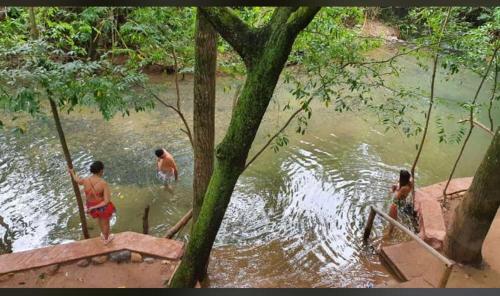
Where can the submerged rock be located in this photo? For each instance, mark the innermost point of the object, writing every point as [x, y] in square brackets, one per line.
[136, 257]
[83, 263]
[120, 256]
[99, 259]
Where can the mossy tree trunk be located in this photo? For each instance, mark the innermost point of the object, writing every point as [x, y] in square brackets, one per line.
[264, 52]
[474, 215]
[203, 109]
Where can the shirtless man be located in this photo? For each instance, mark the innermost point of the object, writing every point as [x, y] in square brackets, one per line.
[166, 167]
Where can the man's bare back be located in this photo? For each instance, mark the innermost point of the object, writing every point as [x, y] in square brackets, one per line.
[166, 167]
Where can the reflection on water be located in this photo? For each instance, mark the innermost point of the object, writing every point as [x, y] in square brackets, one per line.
[296, 216]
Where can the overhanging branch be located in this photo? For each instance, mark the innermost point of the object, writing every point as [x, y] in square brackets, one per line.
[301, 18]
[236, 32]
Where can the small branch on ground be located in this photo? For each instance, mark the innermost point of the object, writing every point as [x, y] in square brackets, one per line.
[178, 226]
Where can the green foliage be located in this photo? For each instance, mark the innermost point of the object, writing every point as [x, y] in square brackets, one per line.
[153, 33]
[35, 70]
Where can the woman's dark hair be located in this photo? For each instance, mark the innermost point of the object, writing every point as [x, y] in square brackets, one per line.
[96, 167]
[159, 152]
[404, 177]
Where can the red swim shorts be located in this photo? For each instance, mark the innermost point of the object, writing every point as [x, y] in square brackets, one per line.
[104, 212]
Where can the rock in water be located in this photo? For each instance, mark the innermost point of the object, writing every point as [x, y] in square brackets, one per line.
[149, 260]
[51, 270]
[99, 259]
[120, 256]
[83, 263]
[136, 257]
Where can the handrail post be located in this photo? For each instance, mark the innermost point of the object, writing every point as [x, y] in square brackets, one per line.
[446, 275]
[145, 221]
[369, 224]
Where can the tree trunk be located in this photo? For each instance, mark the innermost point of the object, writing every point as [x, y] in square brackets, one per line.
[69, 162]
[477, 210]
[203, 109]
[33, 28]
[265, 55]
[3, 13]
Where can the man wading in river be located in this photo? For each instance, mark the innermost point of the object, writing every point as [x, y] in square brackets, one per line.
[166, 167]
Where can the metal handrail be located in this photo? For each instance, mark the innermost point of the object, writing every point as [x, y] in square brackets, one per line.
[448, 263]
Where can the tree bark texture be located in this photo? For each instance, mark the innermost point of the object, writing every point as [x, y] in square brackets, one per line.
[203, 109]
[474, 215]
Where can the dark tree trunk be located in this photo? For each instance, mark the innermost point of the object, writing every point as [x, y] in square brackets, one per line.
[203, 109]
[474, 215]
[145, 220]
[69, 162]
[264, 52]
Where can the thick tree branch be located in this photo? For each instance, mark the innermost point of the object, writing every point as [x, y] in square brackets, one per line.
[301, 18]
[281, 15]
[236, 32]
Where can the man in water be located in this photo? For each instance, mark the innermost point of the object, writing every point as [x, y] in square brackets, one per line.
[166, 167]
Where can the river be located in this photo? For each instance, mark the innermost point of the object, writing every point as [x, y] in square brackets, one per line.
[296, 216]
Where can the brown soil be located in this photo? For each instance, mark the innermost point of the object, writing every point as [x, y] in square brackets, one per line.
[375, 28]
[105, 275]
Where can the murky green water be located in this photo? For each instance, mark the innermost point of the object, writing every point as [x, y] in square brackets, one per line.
[296, 216]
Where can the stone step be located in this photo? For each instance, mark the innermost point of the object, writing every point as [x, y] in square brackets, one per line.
[410, 261]
[132, 241]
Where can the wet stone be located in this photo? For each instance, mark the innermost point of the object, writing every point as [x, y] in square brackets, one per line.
[99, 259]
[121, 256]
[83, 263]
[136, 257]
